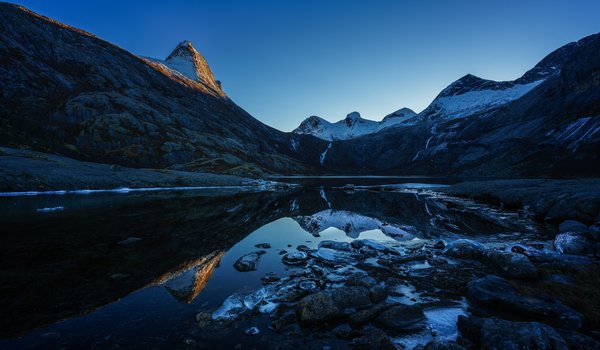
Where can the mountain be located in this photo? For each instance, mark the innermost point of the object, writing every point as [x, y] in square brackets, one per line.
[352, 126]
[546, 123]
[64, 91]
[188, 62]
[471, 95]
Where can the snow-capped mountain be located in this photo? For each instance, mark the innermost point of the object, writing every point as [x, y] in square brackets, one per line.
[472, 95]
[350, 127]
[545, 123]
[187, 61]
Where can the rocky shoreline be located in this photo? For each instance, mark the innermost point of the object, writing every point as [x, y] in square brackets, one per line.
[23, 170]
[426, 294]
[546, 200]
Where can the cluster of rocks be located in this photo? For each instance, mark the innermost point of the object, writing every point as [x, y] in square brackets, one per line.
[369, 294]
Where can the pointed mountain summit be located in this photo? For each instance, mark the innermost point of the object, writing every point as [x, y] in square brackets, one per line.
[186, 60]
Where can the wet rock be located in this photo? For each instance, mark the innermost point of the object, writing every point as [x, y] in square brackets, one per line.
[270, 278]
[295, 258]
[465, 249]
[309, 286]
[252, 331]
[578, 341]
[511, 265]
[401, 319]
[344, 331]
[439, 245]
[248, 262]
[494, 293]
[501, 334]
[289, 293]
[573, 243]
[345, 246]
[360, 279]
[329, 305]
[391, 261]
[333, 257]
[282, 252]
[371, 244]
[364, 316]
[437, 261]
[303, 248]
[443, 345]
[373, 338]
[377, 294]
[129, 240]
[517, 249]
[573, 226]
[283, 321]
[263, 245]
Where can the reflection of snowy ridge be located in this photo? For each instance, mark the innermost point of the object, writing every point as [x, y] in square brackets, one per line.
[351, 223]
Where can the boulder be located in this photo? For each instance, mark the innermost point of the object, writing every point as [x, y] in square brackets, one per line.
[511, 265]
[373, 338]
[573, 243]
[465, 249]
[248, 262]
[401, 319]
[377, 293]
[295, 258]
[360, 279]
[501, 334]
[494, 293]
[330, 305]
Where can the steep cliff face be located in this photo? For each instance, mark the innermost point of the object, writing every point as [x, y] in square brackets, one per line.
[65, 91]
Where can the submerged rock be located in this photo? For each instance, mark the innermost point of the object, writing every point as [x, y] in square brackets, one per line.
[263, 245]
[248, 262]
[401, 319]
[493, 292]
[465, 249]
[443, 345]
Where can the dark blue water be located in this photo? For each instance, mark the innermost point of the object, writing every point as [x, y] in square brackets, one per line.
[133, 270]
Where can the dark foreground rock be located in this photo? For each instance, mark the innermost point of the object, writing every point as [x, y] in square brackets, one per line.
[495, 293]
[330, 305]
[493, 333]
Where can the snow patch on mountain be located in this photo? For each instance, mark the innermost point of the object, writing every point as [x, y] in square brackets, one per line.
[352, 126]
[468, 103]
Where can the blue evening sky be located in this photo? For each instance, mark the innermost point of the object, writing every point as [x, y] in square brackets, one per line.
[283, 61]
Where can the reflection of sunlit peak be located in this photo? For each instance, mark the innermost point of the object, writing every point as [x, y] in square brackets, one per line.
[187, 285]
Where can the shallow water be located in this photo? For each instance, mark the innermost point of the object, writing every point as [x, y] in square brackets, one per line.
[132, 270]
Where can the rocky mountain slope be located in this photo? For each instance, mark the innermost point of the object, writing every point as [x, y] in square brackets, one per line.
[350, 127]
[65, 91]
[544, 123]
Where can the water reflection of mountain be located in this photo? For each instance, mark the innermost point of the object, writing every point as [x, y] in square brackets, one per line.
[58, 265]
[66, 263]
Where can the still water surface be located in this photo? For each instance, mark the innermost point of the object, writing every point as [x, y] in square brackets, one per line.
[132, 270]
